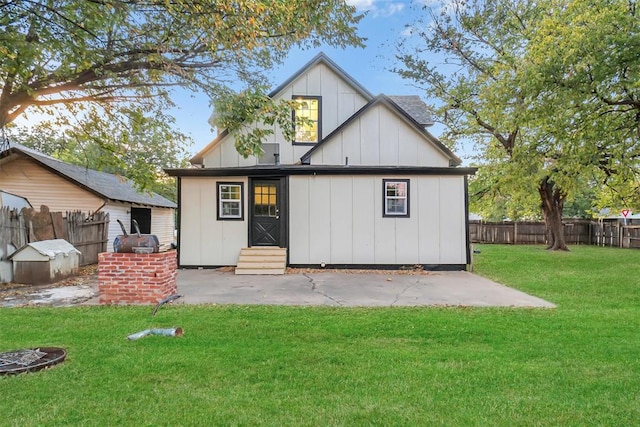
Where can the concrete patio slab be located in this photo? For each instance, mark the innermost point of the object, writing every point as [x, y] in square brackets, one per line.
[328, 288]
[351, 290]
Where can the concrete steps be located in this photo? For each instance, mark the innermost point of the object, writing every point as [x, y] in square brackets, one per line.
[262, 260]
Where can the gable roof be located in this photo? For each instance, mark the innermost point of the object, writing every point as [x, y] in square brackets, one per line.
[320, 58]
[415, 107]
[410, 107]
[386, 100]
[104, 185]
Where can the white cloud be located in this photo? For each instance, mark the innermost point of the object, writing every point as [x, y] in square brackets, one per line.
[378, 8]
[442, 6]
[390, 9]
[362, 5]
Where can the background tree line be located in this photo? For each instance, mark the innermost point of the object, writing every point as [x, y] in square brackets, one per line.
[548, 92]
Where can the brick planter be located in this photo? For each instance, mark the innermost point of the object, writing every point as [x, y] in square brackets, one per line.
[136, 278]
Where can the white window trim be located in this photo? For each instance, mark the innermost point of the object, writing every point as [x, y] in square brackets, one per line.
[386, 198]
[221, 215]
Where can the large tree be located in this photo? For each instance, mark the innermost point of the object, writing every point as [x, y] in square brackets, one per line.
[88, 62]
[482, 61]
[583, 73]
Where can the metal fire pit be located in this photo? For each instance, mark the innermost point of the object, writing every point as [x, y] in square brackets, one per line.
[30, 359]
[135, 243]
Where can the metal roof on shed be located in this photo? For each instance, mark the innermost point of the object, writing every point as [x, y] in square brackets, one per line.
[48, 248]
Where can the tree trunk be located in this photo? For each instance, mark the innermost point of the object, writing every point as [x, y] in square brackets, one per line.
[552, 199]
[4, 117]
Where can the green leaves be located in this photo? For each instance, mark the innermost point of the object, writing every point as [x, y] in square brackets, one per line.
[548, 91]
[585, 55]
[51, 49]
[121, 58]
[251, 115]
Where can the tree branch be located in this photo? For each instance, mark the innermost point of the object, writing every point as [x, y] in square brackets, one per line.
[90, 98]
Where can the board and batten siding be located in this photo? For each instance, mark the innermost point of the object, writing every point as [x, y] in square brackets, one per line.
[379, 137]
[339, 220]
[339, 102]
[26, 178]
[203, 239]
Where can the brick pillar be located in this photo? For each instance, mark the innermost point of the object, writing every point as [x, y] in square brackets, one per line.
[136, 278]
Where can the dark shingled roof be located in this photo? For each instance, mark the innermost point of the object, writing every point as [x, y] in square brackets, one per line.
[415, 107]
[103, 184]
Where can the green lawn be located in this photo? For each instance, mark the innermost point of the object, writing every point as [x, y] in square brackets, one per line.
[578, 364]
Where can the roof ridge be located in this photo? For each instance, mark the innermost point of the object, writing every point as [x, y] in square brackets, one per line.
[322, 57]
[72, 165]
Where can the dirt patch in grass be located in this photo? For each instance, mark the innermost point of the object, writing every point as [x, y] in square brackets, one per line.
[21, 293]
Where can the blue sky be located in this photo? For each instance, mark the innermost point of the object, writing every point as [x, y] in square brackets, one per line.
[383, 26]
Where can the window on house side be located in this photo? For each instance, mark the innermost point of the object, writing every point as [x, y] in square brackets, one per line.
[396, 198]
[308, 109]
[230, 200]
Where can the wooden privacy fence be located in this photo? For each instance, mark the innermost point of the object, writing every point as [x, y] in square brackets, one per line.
[12, 231]
[617, 235]
[87, 232]
[576, 231]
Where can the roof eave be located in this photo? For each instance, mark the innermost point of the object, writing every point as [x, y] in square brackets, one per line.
[322, 58]
[288, 170]
[198, 159]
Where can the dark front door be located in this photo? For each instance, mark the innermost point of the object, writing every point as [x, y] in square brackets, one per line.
[268, 212]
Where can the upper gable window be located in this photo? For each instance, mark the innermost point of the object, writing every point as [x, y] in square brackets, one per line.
[309, 109]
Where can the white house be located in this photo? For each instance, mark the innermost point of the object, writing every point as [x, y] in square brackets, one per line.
[364, 184]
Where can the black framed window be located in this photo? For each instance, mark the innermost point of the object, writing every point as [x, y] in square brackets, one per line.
[307, 120]
[230, 197]
[396, 198]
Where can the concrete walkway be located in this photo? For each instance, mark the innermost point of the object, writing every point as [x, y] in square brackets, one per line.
[349, 290]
